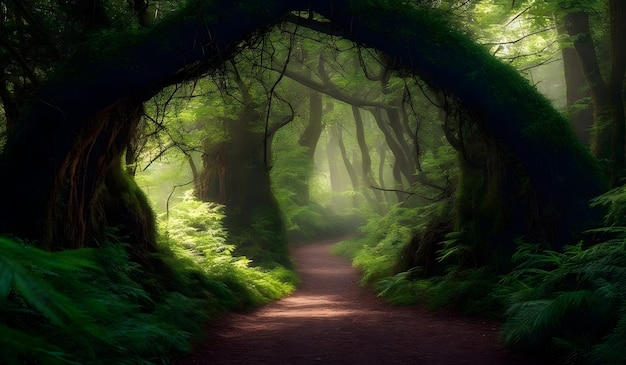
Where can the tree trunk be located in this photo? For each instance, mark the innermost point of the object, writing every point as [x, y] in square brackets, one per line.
[314, 127]
[309, 139]
[354, 179]
[577, 26]
[82, 191]
[397, 119]
[346, 160]
[367, 178]
[339, 180]
[235, 175]
[580, 110]
[615, 88]
[401, 164]
[609, 129]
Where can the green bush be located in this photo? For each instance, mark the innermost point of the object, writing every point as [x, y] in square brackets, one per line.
[572, 304]
[377, 249]
[92, 306]
[82, 306]
[196, 240]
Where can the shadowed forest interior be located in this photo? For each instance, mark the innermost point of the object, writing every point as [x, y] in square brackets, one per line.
[159, 159]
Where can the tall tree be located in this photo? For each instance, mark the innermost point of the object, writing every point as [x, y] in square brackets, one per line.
[580, 109]
[367, 176]
[608, 134]
[236, 164]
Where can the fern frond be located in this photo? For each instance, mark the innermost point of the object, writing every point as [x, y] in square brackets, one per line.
[566, 306]
[58, 308]
[70, 260]
[525, 329]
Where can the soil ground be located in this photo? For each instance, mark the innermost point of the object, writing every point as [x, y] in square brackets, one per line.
[331, 320]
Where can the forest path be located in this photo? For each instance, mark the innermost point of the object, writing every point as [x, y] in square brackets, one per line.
[331, 320]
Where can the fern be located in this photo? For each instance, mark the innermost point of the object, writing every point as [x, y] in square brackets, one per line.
[228, 278]
[453, 248]
[400, 290]
[523, 330]
[27, 292]
[94, 306]
[611, 350]
[581, 293]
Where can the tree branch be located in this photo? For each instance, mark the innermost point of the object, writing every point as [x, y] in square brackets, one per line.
[318, 26]
[405, 192]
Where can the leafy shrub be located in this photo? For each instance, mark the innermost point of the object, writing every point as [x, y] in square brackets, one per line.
[68, 307]
[88, 306]
[29, 304]
[401, 290]
[375, 252]
[573, 304]
[197, 239]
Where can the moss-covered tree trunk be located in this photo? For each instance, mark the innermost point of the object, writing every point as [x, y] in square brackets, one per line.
[81, 195]
[235, 173]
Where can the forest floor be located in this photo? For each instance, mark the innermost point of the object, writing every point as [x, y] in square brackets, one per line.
[331, 320]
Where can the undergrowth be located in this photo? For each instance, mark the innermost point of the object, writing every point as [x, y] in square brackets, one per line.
[378, 251]
[377, 248]
[88, 306]
[304, 201]
[572, 304]
[196, 240]
[569, 306]
[381, 243]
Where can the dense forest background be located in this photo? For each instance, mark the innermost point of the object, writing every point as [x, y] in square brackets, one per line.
[159, 157]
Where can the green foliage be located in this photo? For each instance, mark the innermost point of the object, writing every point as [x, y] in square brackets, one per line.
[572, 303]
[88, 306]
[378, 260]
[569, 303]
[196, 226]
[16, 274]
[454, 249]
[302, 192]
[83, 306]
[348, 248]
[377, 251]
[262, 238]
[197, 239]
[614, 203]
[25, 292]
[401, 290]
[471, 292]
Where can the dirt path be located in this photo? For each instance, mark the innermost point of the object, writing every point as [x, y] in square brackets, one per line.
[330, 320]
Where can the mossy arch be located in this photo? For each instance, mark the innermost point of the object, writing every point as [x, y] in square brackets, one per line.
[85, 109]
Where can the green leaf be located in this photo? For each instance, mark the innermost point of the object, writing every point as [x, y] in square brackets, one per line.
[46, 299]
[19, 265]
